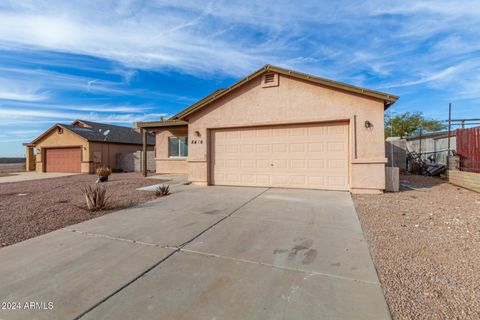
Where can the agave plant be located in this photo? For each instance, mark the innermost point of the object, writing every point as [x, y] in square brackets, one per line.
[163, 190]
[96, 197]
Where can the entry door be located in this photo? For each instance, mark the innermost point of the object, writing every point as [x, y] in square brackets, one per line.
[311, 156]
[63, 159]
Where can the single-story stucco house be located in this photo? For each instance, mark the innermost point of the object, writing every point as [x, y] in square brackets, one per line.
[82, 146]
[279, 128]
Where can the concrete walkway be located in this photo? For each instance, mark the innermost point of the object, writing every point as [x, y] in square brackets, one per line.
[202, 253]
[27, 176]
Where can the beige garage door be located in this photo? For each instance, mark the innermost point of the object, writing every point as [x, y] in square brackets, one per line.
[63, 159]
[293, 156]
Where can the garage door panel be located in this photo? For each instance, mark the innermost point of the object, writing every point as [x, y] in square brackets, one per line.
[297, 147]
[336, 181]
[63, 159]
[316, 164]
[303, 156]
[337, 164]
[298, 164]
[279, 147]
[296, 132]
[316, 147]
[298, 180]
[263, 163]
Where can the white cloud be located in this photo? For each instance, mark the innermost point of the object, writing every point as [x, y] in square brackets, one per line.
[12, 116]
[236, 37]
[440, 76]
[12, 94]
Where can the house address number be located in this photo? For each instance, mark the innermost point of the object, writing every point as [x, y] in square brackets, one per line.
[196, 142]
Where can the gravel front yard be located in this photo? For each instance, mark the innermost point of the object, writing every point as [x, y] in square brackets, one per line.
[32, 208]
[425, 243]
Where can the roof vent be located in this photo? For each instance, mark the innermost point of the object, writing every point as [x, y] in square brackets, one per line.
[270, 79]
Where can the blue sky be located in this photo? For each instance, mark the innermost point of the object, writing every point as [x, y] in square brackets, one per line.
[127, 61]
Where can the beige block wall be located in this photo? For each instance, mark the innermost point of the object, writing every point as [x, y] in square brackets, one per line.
[108, 153]
[296, 101]
[164, 164]
[65, 139]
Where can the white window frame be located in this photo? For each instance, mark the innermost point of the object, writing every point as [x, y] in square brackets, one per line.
[168, 146]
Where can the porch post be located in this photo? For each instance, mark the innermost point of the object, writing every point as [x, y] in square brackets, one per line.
[29, 161]
[144, 158]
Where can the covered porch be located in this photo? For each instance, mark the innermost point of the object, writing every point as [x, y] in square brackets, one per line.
[171, 145]
[30, 158]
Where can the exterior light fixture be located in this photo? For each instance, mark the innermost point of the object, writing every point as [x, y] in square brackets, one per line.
[368, 124]
[197, 133]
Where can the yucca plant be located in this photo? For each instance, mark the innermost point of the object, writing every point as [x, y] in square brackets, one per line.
[96, 197]
[163, 190]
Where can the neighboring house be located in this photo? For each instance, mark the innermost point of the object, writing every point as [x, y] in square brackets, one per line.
[279, 128]
[82, 146]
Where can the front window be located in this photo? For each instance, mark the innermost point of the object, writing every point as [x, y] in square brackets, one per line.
[177, 147]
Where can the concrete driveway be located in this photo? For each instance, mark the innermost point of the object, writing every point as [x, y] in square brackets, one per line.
[202, 253]
[27, 176]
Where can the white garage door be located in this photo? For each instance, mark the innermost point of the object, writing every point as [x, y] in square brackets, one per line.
[293, 156]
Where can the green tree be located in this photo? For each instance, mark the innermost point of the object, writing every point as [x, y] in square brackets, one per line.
[407, 124]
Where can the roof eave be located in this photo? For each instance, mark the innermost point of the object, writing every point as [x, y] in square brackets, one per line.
[161, 124]
[388, 99]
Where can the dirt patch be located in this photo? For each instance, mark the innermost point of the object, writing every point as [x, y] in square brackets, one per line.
[6, 174]
[32, 208]
[11, 167]
[425, 243]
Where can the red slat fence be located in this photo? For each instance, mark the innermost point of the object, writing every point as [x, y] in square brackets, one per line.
[468, 148]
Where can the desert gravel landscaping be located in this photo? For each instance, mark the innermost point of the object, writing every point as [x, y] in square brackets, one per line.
[425, 243]
[32, 208]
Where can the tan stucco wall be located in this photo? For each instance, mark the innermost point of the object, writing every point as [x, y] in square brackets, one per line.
[107, 151]
[164, 164]
[66, 139]
[296, 101]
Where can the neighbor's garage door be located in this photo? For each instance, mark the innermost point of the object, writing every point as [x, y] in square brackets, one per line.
[293, 156]
[63, 159]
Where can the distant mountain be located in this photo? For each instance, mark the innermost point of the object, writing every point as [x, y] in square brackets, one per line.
[12, 160]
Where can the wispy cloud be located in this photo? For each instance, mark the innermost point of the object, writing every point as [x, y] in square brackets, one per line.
[63, 59]
[11, 94]
[441, 75]
[15, 115]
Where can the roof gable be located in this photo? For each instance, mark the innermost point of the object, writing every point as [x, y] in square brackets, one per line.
[388, 99]
[50, 130]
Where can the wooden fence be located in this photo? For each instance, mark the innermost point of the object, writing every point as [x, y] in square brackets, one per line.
[467, 180]
[468, 149]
